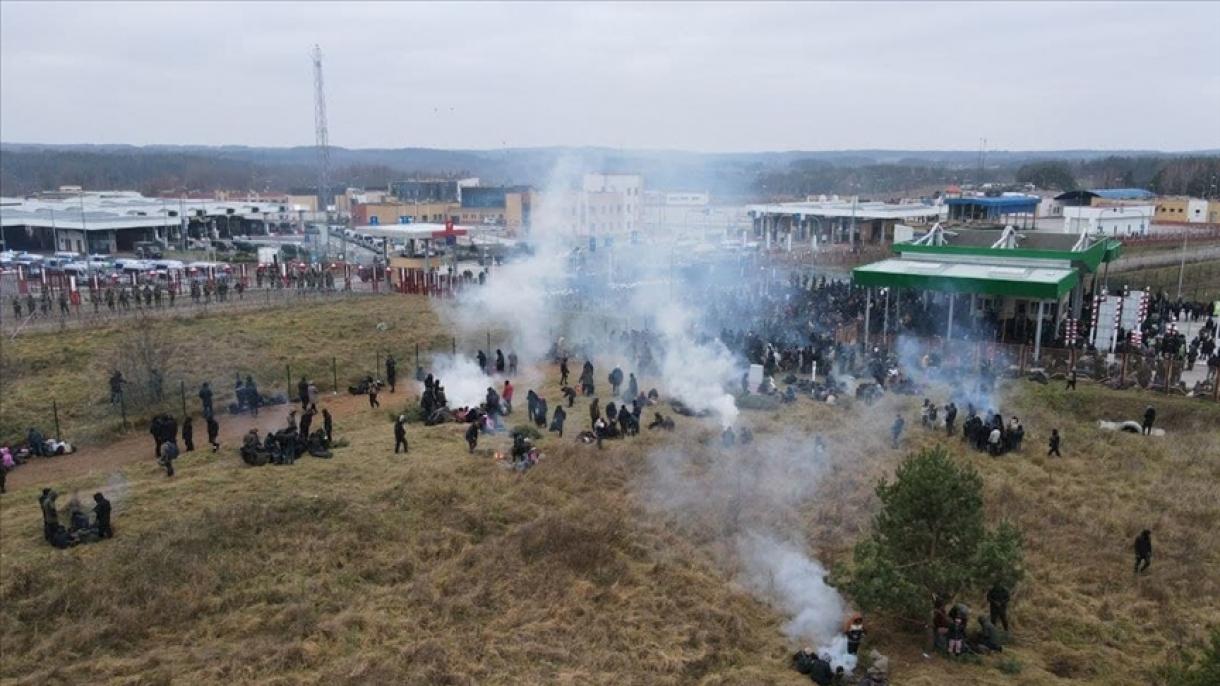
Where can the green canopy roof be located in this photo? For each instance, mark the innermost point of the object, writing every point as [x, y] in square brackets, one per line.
[1038, 283]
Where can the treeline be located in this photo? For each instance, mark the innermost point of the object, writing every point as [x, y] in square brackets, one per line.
[26, 169]
[23, 172]
[1194, 176]
[806, 177]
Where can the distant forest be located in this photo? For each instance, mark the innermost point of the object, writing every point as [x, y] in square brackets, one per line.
[878, 174]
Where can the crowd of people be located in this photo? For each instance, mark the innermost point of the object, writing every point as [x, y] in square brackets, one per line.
[79, 527]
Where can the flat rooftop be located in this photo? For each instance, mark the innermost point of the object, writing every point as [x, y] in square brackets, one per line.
[860, 210]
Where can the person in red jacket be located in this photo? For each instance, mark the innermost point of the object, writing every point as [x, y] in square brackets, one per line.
[507, 396]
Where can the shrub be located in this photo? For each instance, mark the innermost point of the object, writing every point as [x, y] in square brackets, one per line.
[929, 539]
[526, 430]
[1009, 665]
[1202, 670]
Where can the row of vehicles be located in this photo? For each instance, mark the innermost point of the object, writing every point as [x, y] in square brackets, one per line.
[85, 266]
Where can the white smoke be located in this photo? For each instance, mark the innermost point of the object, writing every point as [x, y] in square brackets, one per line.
[464, 383]
[522, 298]
[754, 495]
[116, 489]
[791, 581]
[695, 373]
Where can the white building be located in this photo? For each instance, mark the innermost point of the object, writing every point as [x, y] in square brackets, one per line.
[109, 222]
[623, 192]
[1125, 220]
[1196, 211]
[691, 214]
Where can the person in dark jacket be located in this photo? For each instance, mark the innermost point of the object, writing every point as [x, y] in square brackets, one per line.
[820, 672]
[997, 603]
[499, 361]
[328, 425]
[563, 372]
[950, 418]
[1054, 444]
[855, 635]
[307, 420]
[540, 414]
[595, 412]
[50, 516]
[1149, 419]
[303, 392]
[188, 434]
[400, 434]
[169, 453]
[101, 516]
[205, 398]
[472, 436]
[391, 371]
[213, 432]
[558, 419]
[1143, 551]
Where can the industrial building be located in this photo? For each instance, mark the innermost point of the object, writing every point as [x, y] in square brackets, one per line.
[431, 190]
[1104, 196]
[111, 222]
[1182, 210]
[835, 221]
[1002, 210]
[1110, 220]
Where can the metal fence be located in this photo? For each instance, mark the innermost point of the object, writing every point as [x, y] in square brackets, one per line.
[142, 395]
[1150, 372]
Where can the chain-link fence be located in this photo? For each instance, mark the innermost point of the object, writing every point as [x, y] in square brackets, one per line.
[127, 388]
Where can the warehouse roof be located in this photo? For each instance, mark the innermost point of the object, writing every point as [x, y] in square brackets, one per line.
[860, 210]
[1014, 202]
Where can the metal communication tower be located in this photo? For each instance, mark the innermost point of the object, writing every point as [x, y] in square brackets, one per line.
[320, 135]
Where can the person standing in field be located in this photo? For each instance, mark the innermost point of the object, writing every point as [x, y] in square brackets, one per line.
[400, 434]
[1054, 444]
[213, 431]
[1143, 551]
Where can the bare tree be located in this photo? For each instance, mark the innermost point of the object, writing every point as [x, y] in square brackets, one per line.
[144, 356]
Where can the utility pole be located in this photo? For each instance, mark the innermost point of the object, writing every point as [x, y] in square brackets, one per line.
[1182, 265]
[321, 137]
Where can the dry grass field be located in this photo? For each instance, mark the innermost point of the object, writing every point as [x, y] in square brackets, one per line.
[440, 567]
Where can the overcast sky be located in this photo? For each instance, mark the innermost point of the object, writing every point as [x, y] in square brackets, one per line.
[712, 77]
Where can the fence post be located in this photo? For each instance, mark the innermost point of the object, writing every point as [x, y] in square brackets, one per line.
[1168, 373]
[1122, 374]
[489, 343]
[55, 411]
[334, 376]
[454, 346]
[123, 408]
[288, 376]
[182, 394]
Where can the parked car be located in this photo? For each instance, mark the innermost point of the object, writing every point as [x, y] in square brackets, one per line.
[129, 265]
[148, 250]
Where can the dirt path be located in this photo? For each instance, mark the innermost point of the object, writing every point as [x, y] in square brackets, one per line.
[137, 446]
